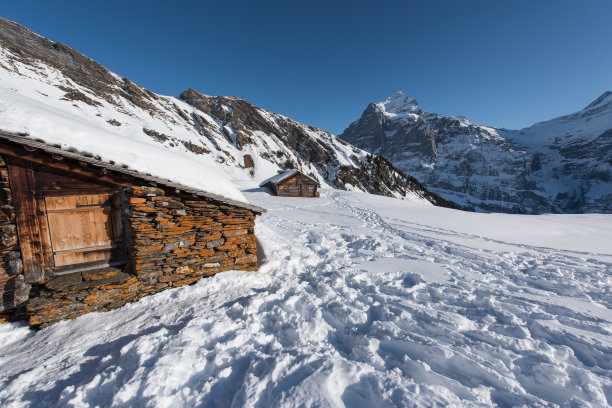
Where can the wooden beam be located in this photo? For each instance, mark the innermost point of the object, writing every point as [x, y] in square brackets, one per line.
[27, 221]
[87, 249]
[45, 237]
[63, 166]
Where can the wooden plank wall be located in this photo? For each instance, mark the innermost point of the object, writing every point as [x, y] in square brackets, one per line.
[297, 186]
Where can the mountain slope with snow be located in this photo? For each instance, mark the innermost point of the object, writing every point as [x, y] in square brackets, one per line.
[227, 133]
[562, 165]
[571, 156]
[364, 301]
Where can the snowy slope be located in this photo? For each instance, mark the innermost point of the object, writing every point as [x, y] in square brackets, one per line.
[227, 133]
[365, 301]
[562, 165]
[572, 156]
[22, 114]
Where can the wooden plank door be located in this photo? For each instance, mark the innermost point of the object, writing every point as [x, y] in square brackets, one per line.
[80, 228]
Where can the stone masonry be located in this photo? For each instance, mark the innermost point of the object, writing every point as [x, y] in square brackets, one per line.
[174, 240]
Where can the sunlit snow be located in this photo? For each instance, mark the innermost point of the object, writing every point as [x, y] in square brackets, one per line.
[364, 301]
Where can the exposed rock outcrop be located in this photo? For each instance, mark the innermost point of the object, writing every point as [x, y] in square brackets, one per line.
[561, 165]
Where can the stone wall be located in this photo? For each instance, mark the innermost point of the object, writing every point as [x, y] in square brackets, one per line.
[13, 288]
[173, 240]
[176, 241]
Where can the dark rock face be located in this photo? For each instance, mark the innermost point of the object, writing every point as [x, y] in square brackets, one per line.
[487, 169]
[30, 48]
[303, 151]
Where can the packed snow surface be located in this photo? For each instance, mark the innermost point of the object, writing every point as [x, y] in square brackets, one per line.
[364, 301]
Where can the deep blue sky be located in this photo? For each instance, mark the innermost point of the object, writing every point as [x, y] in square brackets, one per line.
[500, 63]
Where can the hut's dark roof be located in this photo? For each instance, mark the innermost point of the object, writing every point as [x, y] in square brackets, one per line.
[25, 140]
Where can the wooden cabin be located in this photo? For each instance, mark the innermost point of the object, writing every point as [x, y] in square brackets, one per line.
[292, 183]
[78, 234]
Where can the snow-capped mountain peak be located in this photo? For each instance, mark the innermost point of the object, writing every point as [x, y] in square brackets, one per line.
[604, 100]
[399, 104]
[560, 165]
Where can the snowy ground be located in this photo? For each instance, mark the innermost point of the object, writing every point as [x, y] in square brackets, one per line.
[365, 301]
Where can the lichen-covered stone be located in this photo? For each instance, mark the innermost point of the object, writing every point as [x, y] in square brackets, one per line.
[8, 236]
[235, 233]
[215, 243]
[143, 191]
[15, 293]
[5, 196]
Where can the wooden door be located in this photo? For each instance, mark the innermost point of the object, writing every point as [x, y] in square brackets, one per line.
[80, 228]
[307, 190]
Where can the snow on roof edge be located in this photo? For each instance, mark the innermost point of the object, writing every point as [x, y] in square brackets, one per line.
[279, 177]
[24, 139]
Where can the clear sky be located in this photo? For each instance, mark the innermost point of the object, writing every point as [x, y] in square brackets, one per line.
[500, 63]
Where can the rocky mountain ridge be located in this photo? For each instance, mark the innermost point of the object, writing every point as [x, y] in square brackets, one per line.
[561, 165]
[244, 140]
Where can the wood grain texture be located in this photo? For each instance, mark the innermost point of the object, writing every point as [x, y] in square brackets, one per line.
[20, 179]
[51, 181]
[297, 185]
[80, 228]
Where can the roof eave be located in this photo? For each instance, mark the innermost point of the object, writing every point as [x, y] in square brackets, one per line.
[23, 139]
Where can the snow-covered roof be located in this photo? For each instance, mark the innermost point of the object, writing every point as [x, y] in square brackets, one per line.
[66, 131]
[23, 139]
[279, 177]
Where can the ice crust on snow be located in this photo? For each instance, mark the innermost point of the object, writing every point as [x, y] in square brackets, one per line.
[364, 301]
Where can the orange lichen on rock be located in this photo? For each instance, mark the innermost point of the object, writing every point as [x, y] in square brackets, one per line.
[172, 242]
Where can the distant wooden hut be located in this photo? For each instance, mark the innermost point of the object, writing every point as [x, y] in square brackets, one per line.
[78, 234]
[292, 183]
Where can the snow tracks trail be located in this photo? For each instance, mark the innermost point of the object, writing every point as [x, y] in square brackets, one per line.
[364, 302]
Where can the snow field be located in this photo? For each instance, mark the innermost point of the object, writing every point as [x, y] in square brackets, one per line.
[364, 301]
